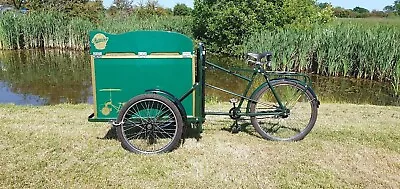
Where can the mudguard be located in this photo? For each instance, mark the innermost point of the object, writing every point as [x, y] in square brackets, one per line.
[308, 88]
[173, 99]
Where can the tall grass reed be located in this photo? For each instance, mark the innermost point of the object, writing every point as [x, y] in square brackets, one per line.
[360, 50]
[55, 30]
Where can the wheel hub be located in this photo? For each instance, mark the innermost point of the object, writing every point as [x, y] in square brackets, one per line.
[286, 114]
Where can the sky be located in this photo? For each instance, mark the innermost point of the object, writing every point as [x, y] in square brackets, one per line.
[348, 4]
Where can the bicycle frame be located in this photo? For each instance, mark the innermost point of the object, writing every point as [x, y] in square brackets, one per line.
[258, 69]
[244, 96]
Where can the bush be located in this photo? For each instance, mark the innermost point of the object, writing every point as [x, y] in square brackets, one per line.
[223, 24]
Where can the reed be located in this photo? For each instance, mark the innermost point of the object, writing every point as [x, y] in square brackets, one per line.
[396, 79]
[42, 30]
[359, 49]
[55, 30]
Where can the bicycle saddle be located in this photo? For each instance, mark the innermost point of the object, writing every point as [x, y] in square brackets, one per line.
[260, 56]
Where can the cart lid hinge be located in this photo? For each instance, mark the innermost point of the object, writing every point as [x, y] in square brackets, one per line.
[142, 54]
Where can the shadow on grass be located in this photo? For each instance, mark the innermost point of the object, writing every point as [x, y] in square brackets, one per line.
[190, 132]
[242, 127]
[110, 135]
[194, 132]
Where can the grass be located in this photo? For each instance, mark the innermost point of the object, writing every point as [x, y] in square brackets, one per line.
[352, 146]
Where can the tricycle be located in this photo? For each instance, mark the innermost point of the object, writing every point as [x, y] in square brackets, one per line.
[151, 86]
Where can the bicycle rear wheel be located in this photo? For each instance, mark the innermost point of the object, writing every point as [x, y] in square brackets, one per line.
[292, 123]
[150, 124]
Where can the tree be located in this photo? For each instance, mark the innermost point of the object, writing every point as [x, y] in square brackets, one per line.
[123, 4]
[389, 9]
[397, 7]
[17, 4]
[224, 24]
[181, 9]
[169, 11]
[93, 11]
[323, 5]
[151, 7]
[360, 10]
[376, 13]
[112, 10]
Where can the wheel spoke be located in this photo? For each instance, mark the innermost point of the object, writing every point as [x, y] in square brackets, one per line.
[161, 130]
[138, 134]
[288, 105]
[130, 128]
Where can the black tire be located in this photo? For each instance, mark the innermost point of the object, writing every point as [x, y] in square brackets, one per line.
[151, 124]
[292, 125]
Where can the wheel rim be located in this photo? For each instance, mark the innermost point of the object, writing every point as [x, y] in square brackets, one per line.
[149, 126]
[288, 123]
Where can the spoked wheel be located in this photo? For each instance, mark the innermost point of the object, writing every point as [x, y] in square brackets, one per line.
[150, 124]
[293, 122]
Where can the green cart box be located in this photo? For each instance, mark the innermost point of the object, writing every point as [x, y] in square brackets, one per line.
[129, 64]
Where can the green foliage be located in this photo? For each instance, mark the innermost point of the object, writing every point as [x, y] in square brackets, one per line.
[91, 10]
[396, 7]
[132, 23]
[224, 24]
[181, 9]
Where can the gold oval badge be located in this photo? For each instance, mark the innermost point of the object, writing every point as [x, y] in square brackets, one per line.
[100, 41]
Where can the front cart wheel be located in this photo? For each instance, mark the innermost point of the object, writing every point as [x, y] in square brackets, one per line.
[150, 124]
[294, 121]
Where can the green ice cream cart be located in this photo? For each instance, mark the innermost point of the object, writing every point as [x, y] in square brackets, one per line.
[151, 86]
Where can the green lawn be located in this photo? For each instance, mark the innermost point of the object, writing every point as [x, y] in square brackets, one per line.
[351, 146]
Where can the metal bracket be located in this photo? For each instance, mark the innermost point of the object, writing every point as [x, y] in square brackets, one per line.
[97, 54]
[115, 124]
[187, 55]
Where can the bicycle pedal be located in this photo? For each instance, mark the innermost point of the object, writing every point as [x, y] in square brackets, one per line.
[235, 130]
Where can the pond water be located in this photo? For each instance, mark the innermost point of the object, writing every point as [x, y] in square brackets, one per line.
[35, 77]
